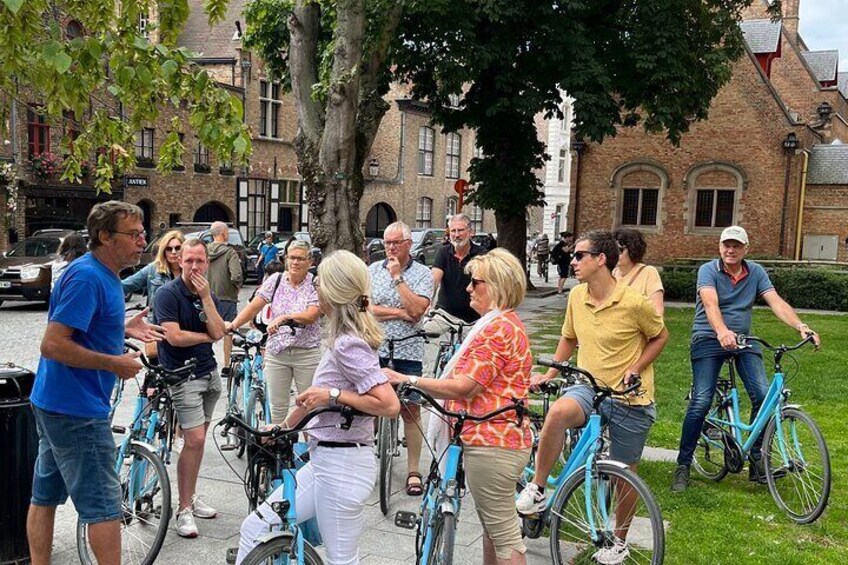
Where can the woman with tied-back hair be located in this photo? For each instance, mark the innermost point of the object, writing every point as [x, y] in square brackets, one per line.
[72, 247]
[340, 475]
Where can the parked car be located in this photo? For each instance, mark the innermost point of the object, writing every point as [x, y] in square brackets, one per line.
[375, 250]
[25, 268]
[482, 238]
[426, 243]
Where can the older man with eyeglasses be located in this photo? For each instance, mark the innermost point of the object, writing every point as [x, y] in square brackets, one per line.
[188, 310]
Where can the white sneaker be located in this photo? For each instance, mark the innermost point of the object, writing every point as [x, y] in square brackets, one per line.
[612, 555]
[185, 524]
[200, 509]
[532, 500]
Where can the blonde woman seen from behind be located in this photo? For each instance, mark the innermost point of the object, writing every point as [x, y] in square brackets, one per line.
[340, 475]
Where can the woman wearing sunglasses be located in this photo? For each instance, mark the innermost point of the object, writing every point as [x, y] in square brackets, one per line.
[165, 267]
[632, 272]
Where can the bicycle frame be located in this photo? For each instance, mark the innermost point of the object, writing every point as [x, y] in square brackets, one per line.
[441, 496]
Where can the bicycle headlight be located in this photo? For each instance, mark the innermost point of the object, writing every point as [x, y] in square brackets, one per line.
[30, 273]
[253, 336]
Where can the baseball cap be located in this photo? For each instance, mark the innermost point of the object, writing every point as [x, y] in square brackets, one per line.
[736, 233]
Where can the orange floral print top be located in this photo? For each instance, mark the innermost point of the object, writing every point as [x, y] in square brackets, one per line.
[499, 359]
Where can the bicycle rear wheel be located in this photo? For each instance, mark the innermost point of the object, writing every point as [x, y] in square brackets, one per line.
[279, 550]
[708, 459]
[797, 465]
[387, 434]
[145, 507]
[622, 509]
[444, 532]
[256, 408]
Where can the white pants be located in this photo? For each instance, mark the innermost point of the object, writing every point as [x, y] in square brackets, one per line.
[291, 364]
[333, 487]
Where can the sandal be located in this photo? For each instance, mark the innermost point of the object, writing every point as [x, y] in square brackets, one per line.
[414, 489]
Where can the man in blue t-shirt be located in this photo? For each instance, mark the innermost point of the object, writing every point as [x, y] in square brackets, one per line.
[188, 310]
[727, 289]
[82, 354]
[268, 253]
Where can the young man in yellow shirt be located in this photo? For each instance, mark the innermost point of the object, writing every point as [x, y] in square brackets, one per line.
[620, 334]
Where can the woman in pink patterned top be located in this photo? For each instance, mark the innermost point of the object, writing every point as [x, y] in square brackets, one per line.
[288, 357]
[334, 486]
[491, 369]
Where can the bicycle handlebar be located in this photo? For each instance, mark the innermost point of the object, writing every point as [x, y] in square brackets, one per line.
[169, 377]
[569, 369]
[743, 340]
[459, 326]
[347, 412]
[517, 406]
[419, 334]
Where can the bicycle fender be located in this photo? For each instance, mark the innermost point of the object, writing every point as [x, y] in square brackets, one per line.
[618, 464]
[268, 536]
[447, 507]
[795, 406]
[143, 444]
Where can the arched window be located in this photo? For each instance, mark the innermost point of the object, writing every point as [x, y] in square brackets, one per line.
[476, 214]
[426, 137]
[450, 207]
[424, 212]
[639, 192]
[452, 155]
[714, 191]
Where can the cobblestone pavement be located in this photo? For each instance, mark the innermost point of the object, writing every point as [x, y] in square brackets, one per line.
[21, 328]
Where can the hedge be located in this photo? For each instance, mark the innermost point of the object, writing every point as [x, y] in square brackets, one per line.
[815, 289]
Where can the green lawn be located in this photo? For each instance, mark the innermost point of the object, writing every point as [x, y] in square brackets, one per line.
[735, 521]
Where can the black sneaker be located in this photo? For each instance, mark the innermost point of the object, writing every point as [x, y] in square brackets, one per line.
[681, 479]
[756, 471]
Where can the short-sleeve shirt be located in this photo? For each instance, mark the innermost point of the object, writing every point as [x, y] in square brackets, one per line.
[613, 336]
[642, 278]
[176, 303]
[349, 364]
[288, 299]
[88, 298]
[420, 281]
[499, 359]
[735, 299]
[453, 298]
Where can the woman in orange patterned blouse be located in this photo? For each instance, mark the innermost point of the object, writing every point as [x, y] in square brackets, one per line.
[491, 368]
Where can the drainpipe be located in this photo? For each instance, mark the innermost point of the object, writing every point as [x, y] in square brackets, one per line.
[803, 192]
[785, 210]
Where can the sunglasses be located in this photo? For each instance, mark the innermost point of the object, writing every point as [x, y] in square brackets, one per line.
[200, 313]
[475, 282]
[175, 249]
[580, 254]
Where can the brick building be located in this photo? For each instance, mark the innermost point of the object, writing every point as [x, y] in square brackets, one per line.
[770, 158]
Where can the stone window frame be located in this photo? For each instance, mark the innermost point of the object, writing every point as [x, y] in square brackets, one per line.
[426, 149]
[144, 138]
[474, 212]
[200, 157]
[38, 131]
[453, 155]
[424, 213]
[616, 184]
[270, 103]
[690, 184]
[451, 204]
[564, 155]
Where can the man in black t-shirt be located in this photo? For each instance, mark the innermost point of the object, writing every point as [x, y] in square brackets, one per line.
[561, 255]
[449, 278]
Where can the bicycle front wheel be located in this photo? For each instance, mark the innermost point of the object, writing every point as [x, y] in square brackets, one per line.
[444, 532]
[621, 524]
[797, 465]
[279, 550]
[256, 408]
[386, 445]
[145, 510]
[708, 459]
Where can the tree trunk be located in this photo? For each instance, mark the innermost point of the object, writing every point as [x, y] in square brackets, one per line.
[512, 235]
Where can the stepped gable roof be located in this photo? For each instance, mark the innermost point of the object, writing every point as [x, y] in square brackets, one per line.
[762, 36]
[828, 165]
[212, 41]
[822, 63]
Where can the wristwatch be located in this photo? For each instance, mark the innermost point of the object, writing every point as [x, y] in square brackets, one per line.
[413, 380]
[398, 281]
[334, 396]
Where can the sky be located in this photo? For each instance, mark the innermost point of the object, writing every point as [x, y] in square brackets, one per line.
[824, 25]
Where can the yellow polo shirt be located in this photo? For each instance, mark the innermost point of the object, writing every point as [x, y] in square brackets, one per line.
[612, 336]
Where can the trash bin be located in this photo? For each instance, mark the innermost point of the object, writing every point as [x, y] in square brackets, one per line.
[18, 450]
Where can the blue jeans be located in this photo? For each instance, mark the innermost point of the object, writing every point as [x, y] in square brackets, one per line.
[707, 357]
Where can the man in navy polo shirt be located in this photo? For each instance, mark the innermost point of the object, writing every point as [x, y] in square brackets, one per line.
[82, 354]
[188, 311]
[727, 289]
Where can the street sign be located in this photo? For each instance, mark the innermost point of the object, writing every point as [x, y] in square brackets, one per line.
[136, 181]
[460, 186]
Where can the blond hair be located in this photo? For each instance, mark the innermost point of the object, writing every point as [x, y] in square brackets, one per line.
[160, 264]
[345, 285]
[504, 276]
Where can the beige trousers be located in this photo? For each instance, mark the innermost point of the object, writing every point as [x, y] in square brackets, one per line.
[293, 364]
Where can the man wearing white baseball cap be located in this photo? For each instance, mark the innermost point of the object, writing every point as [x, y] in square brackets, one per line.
[724, 303]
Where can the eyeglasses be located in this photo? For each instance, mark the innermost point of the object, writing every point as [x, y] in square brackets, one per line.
[200, 312]
[475, 282]
[394, 243]
[174, 249]
[580, 254]
[295, 259]
[135, 235]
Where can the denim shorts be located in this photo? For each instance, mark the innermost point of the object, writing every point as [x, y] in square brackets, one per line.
[76, 457]
[195, 400]
[628, 425]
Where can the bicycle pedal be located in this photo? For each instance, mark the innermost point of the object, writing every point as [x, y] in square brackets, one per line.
[232, 553]
[119, 430]
[403, 443]
[406, 520]
[229, 447]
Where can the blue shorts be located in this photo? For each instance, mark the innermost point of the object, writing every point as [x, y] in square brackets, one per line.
[628, 425]
[76, 457]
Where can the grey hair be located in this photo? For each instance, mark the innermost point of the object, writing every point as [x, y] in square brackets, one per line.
[104, 218]
[398, 226]
[299, 244]
[219, 229]
[461, 218]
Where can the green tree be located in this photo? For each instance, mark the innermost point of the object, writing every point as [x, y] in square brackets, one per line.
[113, 79]
[658, 62]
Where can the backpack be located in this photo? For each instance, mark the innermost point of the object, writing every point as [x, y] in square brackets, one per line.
[264, 317]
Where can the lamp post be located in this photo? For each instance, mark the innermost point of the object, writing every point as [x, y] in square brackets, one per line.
[374, 168]
[824, 110]
[790, 144]
[579, 147]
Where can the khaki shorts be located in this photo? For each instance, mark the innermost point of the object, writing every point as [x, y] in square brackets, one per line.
[195, 400]
[491, 473]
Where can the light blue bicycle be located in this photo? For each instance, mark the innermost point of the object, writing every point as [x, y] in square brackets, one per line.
[597, 503]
